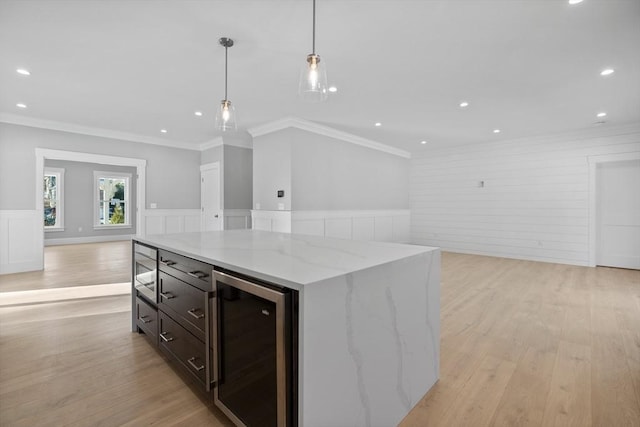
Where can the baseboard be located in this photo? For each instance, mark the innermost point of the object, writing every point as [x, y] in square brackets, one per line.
[513, 256]
[87, 239]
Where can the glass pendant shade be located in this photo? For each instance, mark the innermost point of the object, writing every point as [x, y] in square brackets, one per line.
[313, 80]
[226, 116]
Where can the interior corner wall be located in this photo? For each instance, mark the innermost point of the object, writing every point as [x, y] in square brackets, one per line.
[317, 172]
[330, 174]
[525, 199]
[272, 171]
[211, 155]
[238, 177]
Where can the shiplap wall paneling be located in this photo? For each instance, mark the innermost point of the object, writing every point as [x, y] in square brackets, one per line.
[525, 199]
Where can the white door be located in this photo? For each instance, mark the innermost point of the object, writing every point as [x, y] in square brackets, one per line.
[618, 213]
[211, 214]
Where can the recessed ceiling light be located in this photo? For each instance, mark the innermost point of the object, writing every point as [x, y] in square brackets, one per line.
[163, 130]
[198, 113]
[333, 89]
[423, 142]
[21, 105]
[378, 124]
[575, 1]
[602, 114]
[607, 72]
[496, 131]
[464, 104]
[23, 71]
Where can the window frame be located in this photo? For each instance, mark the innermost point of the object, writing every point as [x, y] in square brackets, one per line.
[97, 175]
[59, 174]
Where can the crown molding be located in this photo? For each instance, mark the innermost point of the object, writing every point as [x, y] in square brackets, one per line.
[215, 142]
[93, 131]
[306, 125]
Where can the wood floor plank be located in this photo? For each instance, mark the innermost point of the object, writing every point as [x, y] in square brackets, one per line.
[477, 402]
[525, 396]
[569, 399]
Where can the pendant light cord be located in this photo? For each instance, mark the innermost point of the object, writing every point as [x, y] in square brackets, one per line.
[314, 29]
[225, 72]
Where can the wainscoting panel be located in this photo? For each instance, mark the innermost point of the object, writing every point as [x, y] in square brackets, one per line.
[364, 228]
[237, 219]
[312, 227]
[384, 229]
[279, 221]
[339, 228]
[382, 226]
[21, 241]
[167, 221]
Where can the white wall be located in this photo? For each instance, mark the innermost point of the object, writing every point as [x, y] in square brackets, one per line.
[318, 172]
[535, 201]
[272, 171]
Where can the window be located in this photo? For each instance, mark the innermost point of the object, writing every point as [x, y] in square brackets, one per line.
[111, 190]
[53, 201]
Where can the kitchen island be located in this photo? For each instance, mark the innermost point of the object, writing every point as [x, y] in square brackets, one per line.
[367, 316]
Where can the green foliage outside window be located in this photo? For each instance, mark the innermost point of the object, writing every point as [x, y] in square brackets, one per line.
[118, 215]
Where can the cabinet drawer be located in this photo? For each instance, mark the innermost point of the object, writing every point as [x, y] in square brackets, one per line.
[185, 301]
[186, 349]
[147, 319]
[194, 272]
[145, 250]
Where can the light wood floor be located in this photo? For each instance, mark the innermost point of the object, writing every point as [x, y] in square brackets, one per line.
[523, 344]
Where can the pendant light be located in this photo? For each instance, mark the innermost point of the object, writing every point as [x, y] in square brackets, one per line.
[313, 77]
[226, 114]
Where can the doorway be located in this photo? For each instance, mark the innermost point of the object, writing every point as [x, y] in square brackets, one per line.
[43, 153]
[211, 197]
[618, 214]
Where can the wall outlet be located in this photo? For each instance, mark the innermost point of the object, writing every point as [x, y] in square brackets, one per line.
[153, 205]
[257, 206]
[280, 206]
[80, 229]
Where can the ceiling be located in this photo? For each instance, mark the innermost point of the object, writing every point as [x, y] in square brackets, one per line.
[527, 67]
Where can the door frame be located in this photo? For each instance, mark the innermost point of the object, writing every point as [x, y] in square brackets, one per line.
[205, 167]
[594, 161]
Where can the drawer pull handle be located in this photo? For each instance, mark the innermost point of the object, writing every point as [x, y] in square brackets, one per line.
[142, 318]
[198, 274]
[193, 313]
[167, 262]
[194, 366]
[165, 339]
[166, 295]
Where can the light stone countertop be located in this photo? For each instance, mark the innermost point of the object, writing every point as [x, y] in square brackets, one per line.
[291, 260]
